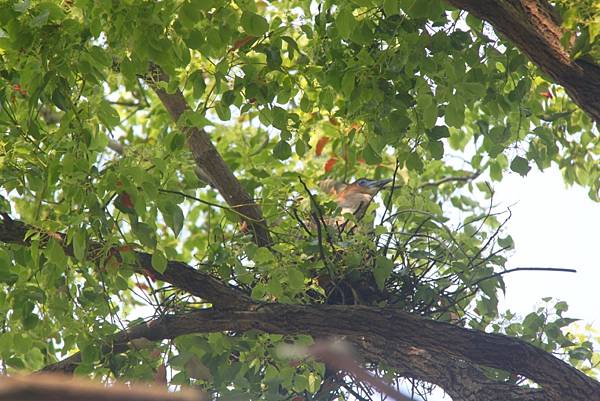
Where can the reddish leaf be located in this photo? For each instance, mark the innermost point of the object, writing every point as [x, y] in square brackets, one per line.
[242, 42]
[127, 248]
[547, 94]
[356, 126]
[321, 144]
[17, 88]
[329, 164]
[126, 200]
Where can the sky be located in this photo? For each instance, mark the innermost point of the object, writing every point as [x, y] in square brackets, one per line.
[552, 226]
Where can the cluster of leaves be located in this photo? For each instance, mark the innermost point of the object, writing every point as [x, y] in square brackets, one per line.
[582, 19]
[546, 327]
[363, 88]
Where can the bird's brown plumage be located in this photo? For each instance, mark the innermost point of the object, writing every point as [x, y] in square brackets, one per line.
[353, 198]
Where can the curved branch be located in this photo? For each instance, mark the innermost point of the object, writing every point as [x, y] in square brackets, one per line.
[178, 274]
[209, 161]
[438, 351]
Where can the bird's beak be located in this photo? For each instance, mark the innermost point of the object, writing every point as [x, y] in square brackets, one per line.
[378, 183]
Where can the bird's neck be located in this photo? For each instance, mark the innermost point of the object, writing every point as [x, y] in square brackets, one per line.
[354, 202]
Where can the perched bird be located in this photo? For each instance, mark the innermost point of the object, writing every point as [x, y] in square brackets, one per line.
[351, 284]
[353, 198]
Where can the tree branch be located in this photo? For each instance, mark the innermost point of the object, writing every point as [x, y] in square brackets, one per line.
[178, 274]
[534, 28]
[209, 160]
[401, 340]
[61, 388]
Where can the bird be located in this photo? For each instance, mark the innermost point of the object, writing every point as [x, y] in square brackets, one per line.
[350, 285]
[353, 198]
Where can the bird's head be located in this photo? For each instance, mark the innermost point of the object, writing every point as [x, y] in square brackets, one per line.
[366, 186]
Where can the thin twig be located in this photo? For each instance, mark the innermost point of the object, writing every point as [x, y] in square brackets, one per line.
[444, 180]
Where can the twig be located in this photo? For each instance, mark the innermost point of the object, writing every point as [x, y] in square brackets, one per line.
[319, 212]
[389, 199]
[444, 180]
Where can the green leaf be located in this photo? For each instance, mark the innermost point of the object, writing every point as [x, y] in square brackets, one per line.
[6, 266]
[274, 287]
[282, 150]
[300, 148]
[258, 292]
[345, 22]
[348, 83]
[391, 7]
[261, 256]
[499, 134]
[436, 148]
[107, 114]
[362, 33]
[196, 80]
[382, 271]
[191, 118]
[79, 244]
[55, 253]
[295, 279]
[60, 100]
[520, 165]
[414, 162]
[159, 261]
[370, 155]
[173, 216]
[438, 132]
[223, 111]
[145, 234]
[506, 243]
[455, 114]
[254, 24]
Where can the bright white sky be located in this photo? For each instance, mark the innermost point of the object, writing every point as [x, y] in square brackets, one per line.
[552, 226]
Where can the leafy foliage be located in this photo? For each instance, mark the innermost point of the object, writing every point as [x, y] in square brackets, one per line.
[293, 89]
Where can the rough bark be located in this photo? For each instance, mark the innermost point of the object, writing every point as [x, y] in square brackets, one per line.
[210, 162]
[425, 349]
[533, 27]
[442, 353]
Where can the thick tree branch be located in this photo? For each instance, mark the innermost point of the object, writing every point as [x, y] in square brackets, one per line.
[535, 29]
[178, 274]
[62, 388]
[462, 380]
[388, 335]
[209, 160]
[401, 340]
